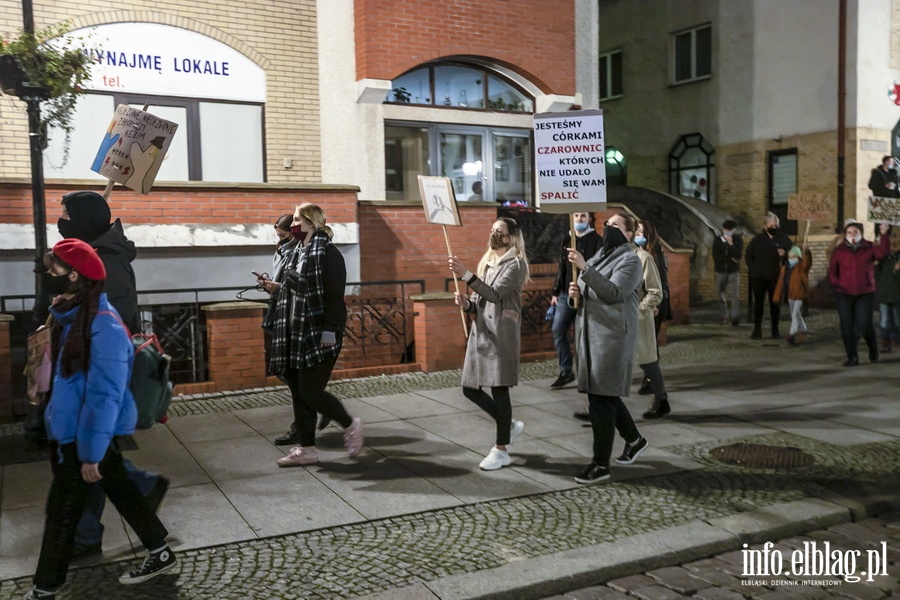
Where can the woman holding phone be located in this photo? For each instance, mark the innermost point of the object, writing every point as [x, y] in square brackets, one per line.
[308, 332]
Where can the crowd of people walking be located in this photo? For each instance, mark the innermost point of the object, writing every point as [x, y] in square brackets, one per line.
[612, 286]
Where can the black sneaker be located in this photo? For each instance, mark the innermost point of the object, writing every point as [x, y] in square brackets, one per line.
[594, 473]
[156, 563]
[37, 593]
[851, 362]
[562, 380]
[632, 451]
[873, 354]
[156, 495]
[645, 389]
[582, 416]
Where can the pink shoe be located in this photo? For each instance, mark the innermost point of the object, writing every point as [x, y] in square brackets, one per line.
[353, 437]
[299, 457]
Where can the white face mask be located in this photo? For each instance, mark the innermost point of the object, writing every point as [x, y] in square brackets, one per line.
[854, 239]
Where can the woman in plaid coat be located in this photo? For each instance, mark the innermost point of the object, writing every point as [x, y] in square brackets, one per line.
[310, 315]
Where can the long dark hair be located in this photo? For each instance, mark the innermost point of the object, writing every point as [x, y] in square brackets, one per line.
[652, 246]
[75, 355]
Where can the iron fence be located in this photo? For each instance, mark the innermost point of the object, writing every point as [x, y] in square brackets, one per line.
[535, 302]
[379, 322]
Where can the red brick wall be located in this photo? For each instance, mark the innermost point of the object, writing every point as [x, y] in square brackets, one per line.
[188, 204]
[235, 346]
[395, 242]
[535, 38]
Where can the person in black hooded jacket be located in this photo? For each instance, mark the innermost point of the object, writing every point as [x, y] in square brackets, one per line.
[86, 217]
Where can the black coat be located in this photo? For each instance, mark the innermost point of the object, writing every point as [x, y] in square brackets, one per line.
[117, 252]
[887, 280]
[878, 181]
[727, 257]
[762, 256]
[588, 244]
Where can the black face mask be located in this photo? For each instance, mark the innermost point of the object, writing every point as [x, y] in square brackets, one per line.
[67, 228]
[772, 230]
[56, 285]
[612, 238]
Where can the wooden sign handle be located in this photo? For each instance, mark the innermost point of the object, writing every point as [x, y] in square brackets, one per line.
[574, 268]
[462, 309]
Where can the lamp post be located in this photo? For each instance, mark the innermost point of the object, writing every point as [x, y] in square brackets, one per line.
[35, 139]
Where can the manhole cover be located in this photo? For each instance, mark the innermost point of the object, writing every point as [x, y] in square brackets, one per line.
[759, 456]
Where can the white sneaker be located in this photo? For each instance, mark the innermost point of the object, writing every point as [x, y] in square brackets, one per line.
[515, 429]
[495, 459]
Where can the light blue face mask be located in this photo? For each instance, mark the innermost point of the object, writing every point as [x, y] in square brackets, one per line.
[640, 240]
[581, 227]
[793, 261]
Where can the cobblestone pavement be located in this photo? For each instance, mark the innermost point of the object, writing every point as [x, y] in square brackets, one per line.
[723, 577]
[383, 555]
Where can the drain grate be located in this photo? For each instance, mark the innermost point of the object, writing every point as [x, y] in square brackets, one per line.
[759, 456]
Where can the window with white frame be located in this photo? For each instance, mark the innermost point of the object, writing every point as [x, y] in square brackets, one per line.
[692, 54]
[488, 164]
[611, 75]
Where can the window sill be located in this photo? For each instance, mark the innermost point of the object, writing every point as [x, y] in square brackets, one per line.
[689, 81]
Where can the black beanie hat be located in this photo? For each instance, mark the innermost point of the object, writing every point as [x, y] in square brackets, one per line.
[89, 216]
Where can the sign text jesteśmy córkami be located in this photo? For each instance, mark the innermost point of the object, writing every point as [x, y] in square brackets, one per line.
[152, 62]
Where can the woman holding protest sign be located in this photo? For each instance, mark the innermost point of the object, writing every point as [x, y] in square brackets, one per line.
[492, 353]
[851, 273]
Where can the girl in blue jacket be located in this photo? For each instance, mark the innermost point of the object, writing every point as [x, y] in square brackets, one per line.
[90, 406]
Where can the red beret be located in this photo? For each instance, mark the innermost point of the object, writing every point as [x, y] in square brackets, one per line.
[81, 257]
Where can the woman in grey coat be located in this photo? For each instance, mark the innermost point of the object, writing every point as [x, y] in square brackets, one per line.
[492, 353]
[606, 328]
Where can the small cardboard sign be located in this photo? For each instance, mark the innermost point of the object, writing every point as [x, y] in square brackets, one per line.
[133, 148]
[811, 207]
[438, 200]
[884, 210]
[570, 158]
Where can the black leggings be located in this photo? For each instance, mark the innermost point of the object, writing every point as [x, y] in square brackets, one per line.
[499, 407]
[65, 503]
[309, 397]
[608, 415]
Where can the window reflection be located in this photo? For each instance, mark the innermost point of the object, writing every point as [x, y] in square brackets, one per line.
[458, 86]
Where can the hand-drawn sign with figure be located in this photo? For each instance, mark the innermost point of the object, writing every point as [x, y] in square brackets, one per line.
[133, 148]
[438, 200]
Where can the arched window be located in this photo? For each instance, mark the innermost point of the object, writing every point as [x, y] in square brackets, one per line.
[692, 167]
[486, 162]
[456, 85]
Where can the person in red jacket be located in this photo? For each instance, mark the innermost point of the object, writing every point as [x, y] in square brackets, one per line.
[852, 275]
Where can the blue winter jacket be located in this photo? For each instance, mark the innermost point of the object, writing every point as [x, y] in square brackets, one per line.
[90, 408]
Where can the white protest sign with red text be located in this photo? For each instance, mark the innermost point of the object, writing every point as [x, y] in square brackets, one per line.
[570, 161]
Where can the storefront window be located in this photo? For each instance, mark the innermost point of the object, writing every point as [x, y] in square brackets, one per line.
[406, 156]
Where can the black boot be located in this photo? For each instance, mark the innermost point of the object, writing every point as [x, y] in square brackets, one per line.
[291, 437]
[645, 389]
[658, 409]
[757, 333]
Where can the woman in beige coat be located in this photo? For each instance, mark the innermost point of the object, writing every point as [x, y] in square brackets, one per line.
[492, 353]
[650, 295]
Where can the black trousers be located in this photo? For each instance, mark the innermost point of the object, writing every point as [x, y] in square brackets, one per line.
[855, 313]
[608, 415]
[65, 503]
[499, 407]
[762, 288]
[309, 397]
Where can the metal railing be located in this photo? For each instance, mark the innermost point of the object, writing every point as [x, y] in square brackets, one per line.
[379, 320]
